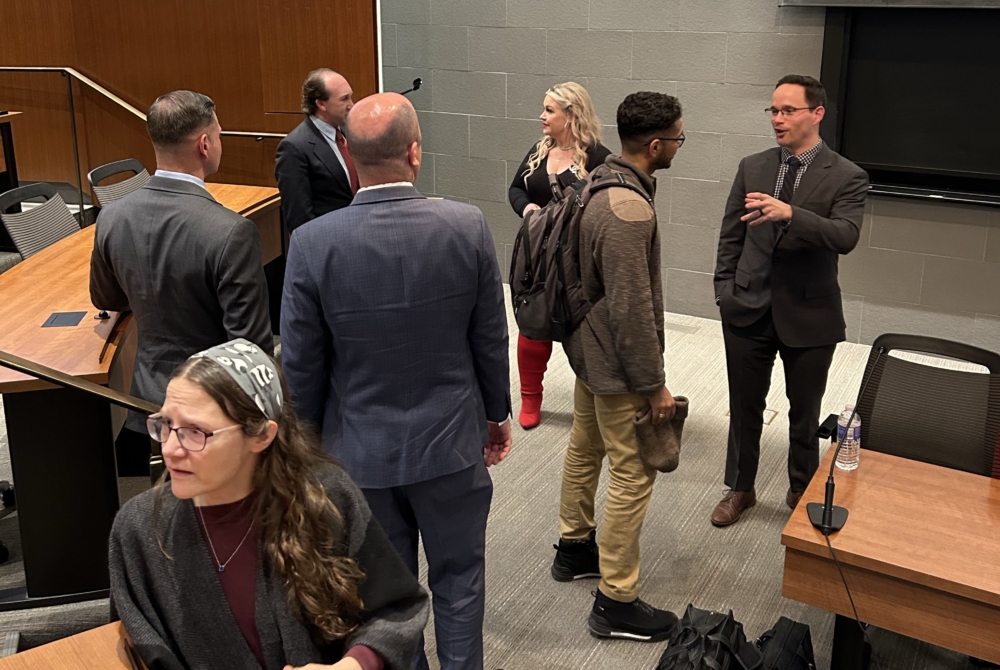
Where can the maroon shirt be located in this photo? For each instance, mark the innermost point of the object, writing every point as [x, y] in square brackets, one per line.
[224, 527]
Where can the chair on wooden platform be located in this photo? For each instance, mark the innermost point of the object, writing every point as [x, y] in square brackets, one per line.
[107, 194]
[38, 227]
[947, 417]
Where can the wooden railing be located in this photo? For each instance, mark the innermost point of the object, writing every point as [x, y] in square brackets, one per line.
[72, 74]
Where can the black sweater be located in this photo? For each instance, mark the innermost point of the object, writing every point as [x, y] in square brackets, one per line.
[538, 191]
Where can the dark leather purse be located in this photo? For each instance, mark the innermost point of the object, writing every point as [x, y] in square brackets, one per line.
[707, 640]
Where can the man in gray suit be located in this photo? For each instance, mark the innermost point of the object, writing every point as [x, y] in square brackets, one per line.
[394, 343]
[188, 268]
[792, 212]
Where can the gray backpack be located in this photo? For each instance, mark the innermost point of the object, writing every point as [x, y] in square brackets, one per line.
[545, 280]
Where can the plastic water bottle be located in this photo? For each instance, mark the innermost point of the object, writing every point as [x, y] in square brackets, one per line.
[849, 439]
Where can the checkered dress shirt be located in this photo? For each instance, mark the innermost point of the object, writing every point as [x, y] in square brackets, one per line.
[805, 158]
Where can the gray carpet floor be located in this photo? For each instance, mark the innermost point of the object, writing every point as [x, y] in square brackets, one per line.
[534, 622]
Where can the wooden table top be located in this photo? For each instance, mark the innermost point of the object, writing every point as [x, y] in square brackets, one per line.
[57, 279]
[243, 199]
[921, 523]
[98, 649]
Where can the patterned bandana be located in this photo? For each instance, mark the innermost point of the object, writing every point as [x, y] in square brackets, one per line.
[253, 370]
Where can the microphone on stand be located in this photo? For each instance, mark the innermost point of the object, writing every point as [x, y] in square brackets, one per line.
[826, 517]
[416, 86]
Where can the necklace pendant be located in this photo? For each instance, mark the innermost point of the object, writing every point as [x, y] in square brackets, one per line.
[222, 568]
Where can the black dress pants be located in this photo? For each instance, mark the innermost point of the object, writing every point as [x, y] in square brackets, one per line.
[750, 353]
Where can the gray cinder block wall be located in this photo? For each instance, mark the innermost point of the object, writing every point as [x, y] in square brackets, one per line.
[485, 65]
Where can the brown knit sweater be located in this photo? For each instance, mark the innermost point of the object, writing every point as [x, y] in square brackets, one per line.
[619, 346]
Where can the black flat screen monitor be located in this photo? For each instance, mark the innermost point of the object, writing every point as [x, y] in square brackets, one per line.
[921, 106]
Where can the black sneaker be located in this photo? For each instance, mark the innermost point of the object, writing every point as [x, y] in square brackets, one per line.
[576, 559]
[636, 620]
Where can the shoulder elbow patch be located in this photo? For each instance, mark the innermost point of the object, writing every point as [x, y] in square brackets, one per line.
[628, 205]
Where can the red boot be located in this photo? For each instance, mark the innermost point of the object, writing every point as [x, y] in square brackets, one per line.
[532, 359]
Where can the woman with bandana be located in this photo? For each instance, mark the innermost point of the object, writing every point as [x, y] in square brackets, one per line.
[255, 550]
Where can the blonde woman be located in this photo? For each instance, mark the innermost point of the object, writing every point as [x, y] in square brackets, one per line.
[570, 148]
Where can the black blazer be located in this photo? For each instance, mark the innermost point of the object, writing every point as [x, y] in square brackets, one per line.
[794, 273]
[311, 179]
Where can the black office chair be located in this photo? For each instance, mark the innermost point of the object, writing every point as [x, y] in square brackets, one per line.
[107, 194]
[36, 228]
[941, 416]
[8, 253]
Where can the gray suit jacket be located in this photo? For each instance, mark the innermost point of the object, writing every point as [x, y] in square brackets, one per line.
[188, 268]
[793, 273]
[394, 335]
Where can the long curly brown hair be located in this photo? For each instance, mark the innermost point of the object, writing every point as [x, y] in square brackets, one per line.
[301, 530]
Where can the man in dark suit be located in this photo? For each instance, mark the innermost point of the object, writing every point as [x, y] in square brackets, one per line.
[394, 343]
[314, 166]
[188, 268]
[792, 212]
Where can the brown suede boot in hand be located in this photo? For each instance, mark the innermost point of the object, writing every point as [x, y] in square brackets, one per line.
[660, 446]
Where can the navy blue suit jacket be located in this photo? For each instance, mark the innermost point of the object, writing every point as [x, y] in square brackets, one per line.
[394, 335]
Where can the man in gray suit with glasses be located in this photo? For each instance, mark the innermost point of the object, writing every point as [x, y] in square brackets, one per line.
[394, 343]
[188, 268]
[793, 210]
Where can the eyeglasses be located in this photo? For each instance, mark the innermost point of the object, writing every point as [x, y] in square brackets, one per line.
[192, 439]
[679, 139]
[786, 111]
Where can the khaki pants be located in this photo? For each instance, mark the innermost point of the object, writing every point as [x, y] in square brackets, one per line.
[602, 426]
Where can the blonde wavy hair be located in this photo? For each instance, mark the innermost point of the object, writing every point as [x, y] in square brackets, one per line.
[302, 532]
[584, 127]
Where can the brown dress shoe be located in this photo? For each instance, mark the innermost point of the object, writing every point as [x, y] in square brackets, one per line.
[792, 498]
[728, 511]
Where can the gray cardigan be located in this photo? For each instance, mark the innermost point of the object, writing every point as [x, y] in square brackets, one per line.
[177, 616]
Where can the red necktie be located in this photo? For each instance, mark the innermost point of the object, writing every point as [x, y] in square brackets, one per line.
[345, 152]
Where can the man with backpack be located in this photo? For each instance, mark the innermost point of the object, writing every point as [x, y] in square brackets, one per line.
[617, 355]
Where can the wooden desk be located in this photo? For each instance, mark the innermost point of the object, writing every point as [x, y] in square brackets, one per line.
[920, 551]
[98, 649]
[57, 279]
[61, 441]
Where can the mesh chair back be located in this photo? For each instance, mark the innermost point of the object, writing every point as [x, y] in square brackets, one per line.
[108, 194]
[941, 416]
[38, 227]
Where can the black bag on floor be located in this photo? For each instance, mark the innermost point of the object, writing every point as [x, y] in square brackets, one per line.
[707, 640]
[787, 646]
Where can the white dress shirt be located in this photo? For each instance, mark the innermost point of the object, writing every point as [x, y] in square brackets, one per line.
[183, 176]
[330, 133]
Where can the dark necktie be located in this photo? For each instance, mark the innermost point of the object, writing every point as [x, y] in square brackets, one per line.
[345, 152]
[788, 186]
